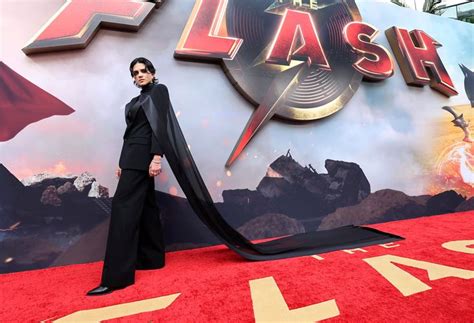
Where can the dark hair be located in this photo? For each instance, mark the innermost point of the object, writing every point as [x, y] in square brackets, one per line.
[149, 66]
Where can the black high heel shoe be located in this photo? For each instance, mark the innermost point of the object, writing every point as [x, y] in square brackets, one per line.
[102, 290]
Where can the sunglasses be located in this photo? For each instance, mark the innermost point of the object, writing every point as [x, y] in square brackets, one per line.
[143, 70]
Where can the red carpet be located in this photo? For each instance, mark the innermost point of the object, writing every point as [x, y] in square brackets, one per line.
[214, 284]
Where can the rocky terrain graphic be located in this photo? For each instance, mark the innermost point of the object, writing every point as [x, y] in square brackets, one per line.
[44, 215]
[48, 220]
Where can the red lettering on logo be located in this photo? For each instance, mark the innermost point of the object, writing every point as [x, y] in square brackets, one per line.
[202, 36]
[419, 60]
[375, 62]
[297, 38]
[76, 22]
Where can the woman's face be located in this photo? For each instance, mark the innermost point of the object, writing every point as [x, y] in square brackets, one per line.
[141, 75]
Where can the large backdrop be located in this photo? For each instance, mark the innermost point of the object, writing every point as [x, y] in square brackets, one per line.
[289, 132]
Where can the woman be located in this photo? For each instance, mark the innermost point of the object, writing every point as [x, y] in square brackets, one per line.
[132, 222]
[135, 239]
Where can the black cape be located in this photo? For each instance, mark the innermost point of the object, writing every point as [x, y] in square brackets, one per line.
[165, 126]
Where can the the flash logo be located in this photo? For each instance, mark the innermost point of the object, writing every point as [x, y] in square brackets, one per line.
[297, 39]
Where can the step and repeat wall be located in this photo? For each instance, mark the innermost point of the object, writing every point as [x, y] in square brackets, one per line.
[300, 115]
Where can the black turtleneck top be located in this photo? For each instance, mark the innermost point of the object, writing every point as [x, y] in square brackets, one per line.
[140, 127]
[147, 88]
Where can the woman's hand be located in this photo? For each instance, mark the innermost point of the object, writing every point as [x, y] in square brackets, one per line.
[155, 166]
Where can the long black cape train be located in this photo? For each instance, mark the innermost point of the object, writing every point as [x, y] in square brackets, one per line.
[165, 126]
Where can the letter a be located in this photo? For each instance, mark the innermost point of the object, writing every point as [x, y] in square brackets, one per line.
[408, 284]
[298, 39]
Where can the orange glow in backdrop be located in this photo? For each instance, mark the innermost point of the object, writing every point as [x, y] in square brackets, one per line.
[453, 158]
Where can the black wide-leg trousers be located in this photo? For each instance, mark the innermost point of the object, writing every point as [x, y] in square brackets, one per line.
[135, 238]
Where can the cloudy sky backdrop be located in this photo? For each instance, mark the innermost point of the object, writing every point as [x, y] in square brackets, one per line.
[385, 127]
